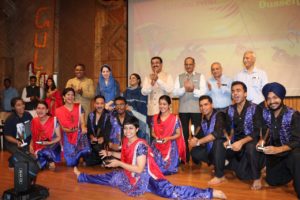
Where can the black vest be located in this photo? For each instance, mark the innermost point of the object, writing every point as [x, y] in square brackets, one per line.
[32, 91]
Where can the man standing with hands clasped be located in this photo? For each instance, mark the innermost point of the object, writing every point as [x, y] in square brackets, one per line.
[189, 86]
[155, 85]
[84, 88]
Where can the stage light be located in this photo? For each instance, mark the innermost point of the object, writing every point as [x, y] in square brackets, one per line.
[26, 169]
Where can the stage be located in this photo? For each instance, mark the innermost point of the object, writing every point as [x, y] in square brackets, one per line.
[62, 184]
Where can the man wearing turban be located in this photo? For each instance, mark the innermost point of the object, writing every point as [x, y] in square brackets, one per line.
[283, 148]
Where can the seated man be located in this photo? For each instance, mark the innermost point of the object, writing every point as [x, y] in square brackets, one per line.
[243, 119]
[99, 127]
[17, 128]
[283, 149]
[207, 146]
[118, 117]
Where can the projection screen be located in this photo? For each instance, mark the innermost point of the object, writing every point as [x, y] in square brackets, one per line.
[217, 30]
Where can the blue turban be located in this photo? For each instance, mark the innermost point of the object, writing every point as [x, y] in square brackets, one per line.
[276, 88]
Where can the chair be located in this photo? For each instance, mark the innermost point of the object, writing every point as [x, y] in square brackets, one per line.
[3, 116]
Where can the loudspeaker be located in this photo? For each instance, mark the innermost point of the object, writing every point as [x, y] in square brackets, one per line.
[22, 181]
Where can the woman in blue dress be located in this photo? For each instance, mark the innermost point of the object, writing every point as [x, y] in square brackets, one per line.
[168, 146]
[137, 104]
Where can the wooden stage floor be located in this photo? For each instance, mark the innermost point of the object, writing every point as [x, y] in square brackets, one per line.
[62, 184]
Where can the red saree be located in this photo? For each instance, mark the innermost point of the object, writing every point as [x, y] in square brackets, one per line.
[166, 129]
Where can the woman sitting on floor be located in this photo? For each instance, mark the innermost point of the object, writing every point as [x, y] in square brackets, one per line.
[140, 172]
[45, 137]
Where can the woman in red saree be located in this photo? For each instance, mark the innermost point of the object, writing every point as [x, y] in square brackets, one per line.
[53, 96]
[168, 146]
[140, 173]
[45, 137]
[71, 119]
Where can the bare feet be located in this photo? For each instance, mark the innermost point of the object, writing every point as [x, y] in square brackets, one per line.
[76, 171]
[215, 180]
[52, 166]
[219, 194]
[256, 185]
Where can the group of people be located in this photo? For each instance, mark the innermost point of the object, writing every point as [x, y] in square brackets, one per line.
[241, 125]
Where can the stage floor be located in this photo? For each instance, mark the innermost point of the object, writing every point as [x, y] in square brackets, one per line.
[62, 184]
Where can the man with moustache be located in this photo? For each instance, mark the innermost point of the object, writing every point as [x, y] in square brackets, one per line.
[254, 78]
[283, 147]
[118, 116]
[243, 119]
[83, 86]
[155, 85]
[99, 128]
[31, 95]
[189, 86]
[219, 87]
[207, 146]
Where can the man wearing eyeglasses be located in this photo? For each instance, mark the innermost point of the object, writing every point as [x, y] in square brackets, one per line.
[189, 86]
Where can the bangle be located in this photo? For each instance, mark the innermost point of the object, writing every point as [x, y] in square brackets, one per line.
[198, 143]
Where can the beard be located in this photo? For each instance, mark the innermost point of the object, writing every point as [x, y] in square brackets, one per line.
[275, 109]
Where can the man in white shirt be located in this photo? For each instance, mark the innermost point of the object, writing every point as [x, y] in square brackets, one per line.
[155, 85]
[219, 87]
[254, 78]
[189, 86]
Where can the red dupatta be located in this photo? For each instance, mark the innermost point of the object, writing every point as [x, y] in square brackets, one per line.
[54, 103]
[128, 155]
[166, 129]
[42, 132]
[69, 119]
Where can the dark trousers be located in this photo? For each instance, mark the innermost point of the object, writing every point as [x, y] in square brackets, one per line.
[185, 121]
[246, 163]
[215, 156]
[282, 169]
[150, 125]
[93, 157]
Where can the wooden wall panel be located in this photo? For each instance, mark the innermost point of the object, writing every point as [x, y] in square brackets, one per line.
[76, 38]
[111, 40]
[293, 102]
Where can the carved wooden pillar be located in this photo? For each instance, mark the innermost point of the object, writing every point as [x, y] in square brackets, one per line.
[111, 39]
